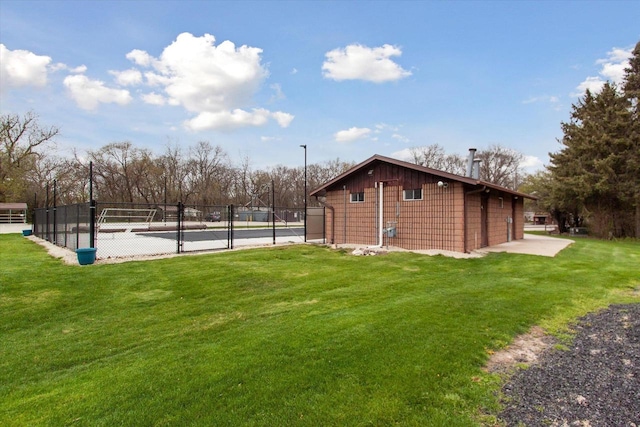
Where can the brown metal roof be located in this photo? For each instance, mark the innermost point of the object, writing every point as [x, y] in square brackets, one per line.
[412, 166]
[13, 206]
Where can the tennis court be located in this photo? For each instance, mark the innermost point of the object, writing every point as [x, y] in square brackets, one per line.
[114, 244]
[132, 230]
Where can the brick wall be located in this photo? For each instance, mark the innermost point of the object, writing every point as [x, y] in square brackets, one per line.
[435, 222]
[360, 226]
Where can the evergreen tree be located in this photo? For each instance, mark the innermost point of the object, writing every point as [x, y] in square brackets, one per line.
[632, 93]
[597, 174]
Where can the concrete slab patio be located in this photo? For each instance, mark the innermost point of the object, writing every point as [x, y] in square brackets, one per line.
[532, 244]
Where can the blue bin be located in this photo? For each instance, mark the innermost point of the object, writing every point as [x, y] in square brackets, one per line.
[26, 232]
[86, 256]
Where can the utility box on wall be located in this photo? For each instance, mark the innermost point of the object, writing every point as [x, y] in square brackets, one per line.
[391, 228]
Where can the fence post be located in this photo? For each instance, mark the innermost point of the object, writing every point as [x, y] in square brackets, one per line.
[92, 223]
[273, 212]
[230, 228]
[46, 213]
[66, 225]
[179, 227]
[55, 208]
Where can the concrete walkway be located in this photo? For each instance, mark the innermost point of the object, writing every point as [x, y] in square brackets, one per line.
[14, 228]
[532, 244]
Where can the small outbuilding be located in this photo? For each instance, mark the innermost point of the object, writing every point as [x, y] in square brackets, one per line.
[384, 201]
[13, 213]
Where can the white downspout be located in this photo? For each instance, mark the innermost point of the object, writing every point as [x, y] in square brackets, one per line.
[380, 185]
[380, 218]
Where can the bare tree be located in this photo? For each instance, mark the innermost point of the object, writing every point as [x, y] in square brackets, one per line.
[21, 137]
[207, 167]
[501, 166]
[123, 173]
[433, 156]
[174, 174]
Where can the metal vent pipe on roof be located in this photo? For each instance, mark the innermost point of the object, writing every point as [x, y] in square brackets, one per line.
[476, 168]
[472, 154]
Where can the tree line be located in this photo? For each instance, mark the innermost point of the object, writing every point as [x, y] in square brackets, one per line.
[202, 174]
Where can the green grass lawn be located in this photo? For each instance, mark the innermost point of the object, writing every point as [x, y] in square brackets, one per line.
[287, 336]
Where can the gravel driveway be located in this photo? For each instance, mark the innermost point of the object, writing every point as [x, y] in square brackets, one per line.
[594, 383]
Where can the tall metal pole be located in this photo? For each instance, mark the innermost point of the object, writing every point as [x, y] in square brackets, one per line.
[273, 212]
[46, 205]
[90, 181]
[55, 208]
[305, 191]
[92, 210]
[164, 211]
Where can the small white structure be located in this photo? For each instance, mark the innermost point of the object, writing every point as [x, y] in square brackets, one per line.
[13, 213]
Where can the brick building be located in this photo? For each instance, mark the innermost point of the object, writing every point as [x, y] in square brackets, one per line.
[384, 201]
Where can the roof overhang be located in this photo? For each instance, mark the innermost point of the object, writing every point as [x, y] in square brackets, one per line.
[13, 206]
[479, 184]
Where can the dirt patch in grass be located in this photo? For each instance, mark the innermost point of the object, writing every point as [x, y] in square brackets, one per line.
[525, 349]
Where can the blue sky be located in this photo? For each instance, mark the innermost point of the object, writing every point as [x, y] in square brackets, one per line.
[348, 79]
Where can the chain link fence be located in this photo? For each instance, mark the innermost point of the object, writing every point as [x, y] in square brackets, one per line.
[120, 230]
[67, 226]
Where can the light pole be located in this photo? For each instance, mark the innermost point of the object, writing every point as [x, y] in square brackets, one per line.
[305, 190]
[164, 211]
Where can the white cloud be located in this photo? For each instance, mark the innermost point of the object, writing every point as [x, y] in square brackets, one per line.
[215, 82]
[593, 84]
[277, 92]
[536, 99]
[400, 138]
[351, 134]
[22, 68]
[140, 57]
[154, 79]
[88, 93]
[532, 163]
[228, 120]
[269, 138]
[387, 127]
[283, 119]
[357, 62]
[59, 66]
[154, 99]
[404, 154]
[551, 100]
[612, 69]
[78, 70]
[130, 77]
[238, 118]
